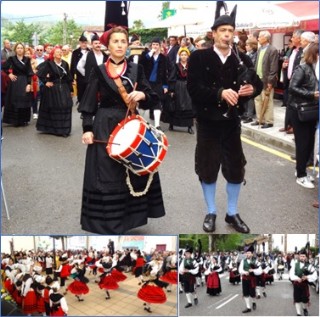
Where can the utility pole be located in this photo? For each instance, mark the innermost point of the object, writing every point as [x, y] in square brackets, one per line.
[64, 40]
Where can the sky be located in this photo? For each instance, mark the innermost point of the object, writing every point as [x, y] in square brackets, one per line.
[91, 11]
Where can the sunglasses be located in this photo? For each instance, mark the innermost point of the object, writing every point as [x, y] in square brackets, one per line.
[39, 50]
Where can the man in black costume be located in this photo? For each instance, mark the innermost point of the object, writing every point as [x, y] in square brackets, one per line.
[218, 95]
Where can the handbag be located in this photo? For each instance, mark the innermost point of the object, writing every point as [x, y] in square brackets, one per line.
[308, 111]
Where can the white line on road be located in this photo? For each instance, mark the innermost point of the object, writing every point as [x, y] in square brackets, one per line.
[229, 300]
[221, 300]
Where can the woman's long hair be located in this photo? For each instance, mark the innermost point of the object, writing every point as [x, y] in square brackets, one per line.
[311, 54]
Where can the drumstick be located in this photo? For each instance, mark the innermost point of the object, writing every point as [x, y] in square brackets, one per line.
[134, 88]
[105, 142]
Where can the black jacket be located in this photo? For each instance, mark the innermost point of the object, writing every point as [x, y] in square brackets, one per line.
[208, 76]
[303, 85]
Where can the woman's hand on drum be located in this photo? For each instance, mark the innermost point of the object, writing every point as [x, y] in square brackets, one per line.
[49, 84]
[87, 138]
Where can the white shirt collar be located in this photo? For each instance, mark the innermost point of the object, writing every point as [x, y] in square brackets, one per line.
[221, 56]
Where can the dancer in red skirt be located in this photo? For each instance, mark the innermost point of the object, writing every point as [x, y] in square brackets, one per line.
[169, 269]
[152, 291]
[64, 271]
[213, 281]
[139, 263]
[107, 281]
[117, 269]
[39, 289]
[29, 298]
[58, 303]
[79, 286]
[234, 275]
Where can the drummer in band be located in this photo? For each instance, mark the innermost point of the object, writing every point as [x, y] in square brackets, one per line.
[107, 205]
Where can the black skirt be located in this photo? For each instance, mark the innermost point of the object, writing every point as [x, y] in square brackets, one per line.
[107, 205]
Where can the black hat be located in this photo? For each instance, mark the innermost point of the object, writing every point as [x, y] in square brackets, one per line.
[116, 14]
[95, 37]
[224, 19]
[156, 40]
[303, 251]
[82, 38]
[189, 249]
[250, 249]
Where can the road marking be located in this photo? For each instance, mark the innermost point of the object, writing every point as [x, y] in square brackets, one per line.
[229, 300]
[220, 300]
[271, 151]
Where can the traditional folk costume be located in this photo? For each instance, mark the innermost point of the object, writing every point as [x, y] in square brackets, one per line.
[79, 286]
[29, 298]
[58, 304]
[55, 109]
[301, 274]
[18, 102]
[138, 268]
[151, 292]
[261, 278]
[213, 280]
[218, 125]
[248, 269]
[269, 270]
[107, 281]
[169, 269]
[64, 270]
[189, 269]
[117, 270]
[280, 264]
[234, 275]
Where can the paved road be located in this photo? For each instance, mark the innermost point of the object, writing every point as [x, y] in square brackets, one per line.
[279, 301]
[43, 174]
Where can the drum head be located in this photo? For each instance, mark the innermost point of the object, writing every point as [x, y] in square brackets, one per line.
[124, 136]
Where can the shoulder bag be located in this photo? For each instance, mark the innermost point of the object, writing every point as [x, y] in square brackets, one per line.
[309, 110]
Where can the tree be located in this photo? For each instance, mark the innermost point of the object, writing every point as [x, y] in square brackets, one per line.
[138, 25]
[56, 33]
[20, 31]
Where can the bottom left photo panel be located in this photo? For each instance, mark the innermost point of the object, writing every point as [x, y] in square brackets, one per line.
[89, 275]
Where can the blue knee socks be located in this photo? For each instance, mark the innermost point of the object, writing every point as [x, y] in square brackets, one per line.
[209, 192]
[233, 191]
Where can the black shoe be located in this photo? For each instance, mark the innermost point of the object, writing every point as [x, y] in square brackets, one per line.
[246, 311]
[148, 309]
[258, 297]
[188, 305]
[237, 223]
[196, 301]
[267, 125]
[168, 290]
[255, 123]
[305, 312]
[170, 127]
[159, 128]
[248, 120]
[254, 306]
[264, 294]
[180, 292]
[209, 224]
[190, 131]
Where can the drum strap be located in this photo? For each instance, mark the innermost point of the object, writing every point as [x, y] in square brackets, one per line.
[138, 194]
[122, 91]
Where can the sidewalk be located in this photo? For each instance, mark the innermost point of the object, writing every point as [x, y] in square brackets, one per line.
[272, 137]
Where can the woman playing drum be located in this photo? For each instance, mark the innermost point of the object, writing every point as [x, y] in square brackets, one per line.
[107, 205]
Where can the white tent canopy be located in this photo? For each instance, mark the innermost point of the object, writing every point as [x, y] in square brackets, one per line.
[250, 15]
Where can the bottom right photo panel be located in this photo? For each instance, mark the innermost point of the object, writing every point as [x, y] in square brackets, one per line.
[248, 274]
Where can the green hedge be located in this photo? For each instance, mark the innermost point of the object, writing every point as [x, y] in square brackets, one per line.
[148, 34]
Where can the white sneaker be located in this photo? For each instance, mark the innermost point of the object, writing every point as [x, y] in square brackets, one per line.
[35, 116]
[311, 178]
[304, 182]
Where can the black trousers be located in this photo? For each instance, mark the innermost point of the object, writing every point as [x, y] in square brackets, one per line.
[304, 137]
